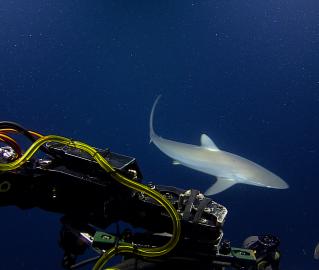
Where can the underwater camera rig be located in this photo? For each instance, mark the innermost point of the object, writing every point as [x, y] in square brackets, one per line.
[95, 188]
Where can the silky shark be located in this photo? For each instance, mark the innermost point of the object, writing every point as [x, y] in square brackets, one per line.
[228, 168]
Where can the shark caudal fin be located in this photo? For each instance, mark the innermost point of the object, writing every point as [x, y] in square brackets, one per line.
[152, 132]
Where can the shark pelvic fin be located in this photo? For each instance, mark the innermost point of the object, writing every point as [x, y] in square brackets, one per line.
[207, 142]
[175, 162]
[220, 185]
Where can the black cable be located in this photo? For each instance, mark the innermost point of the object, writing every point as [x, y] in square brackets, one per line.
[17, 127]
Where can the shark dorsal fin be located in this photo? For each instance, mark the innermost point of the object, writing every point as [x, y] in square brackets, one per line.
[207, 142]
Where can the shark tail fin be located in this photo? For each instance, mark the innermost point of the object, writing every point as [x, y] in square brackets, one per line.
[220, 185]
[152, 132]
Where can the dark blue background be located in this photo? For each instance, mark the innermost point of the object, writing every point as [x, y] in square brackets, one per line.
[244, 72]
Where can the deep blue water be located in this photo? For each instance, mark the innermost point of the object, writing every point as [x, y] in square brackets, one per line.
[244, 72]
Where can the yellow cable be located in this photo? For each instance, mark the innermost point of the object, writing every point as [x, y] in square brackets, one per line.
[7, 138]
[122, 248]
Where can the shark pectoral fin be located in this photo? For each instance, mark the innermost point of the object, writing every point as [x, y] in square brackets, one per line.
[220, 185]
[175, 162]
[208, 143]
